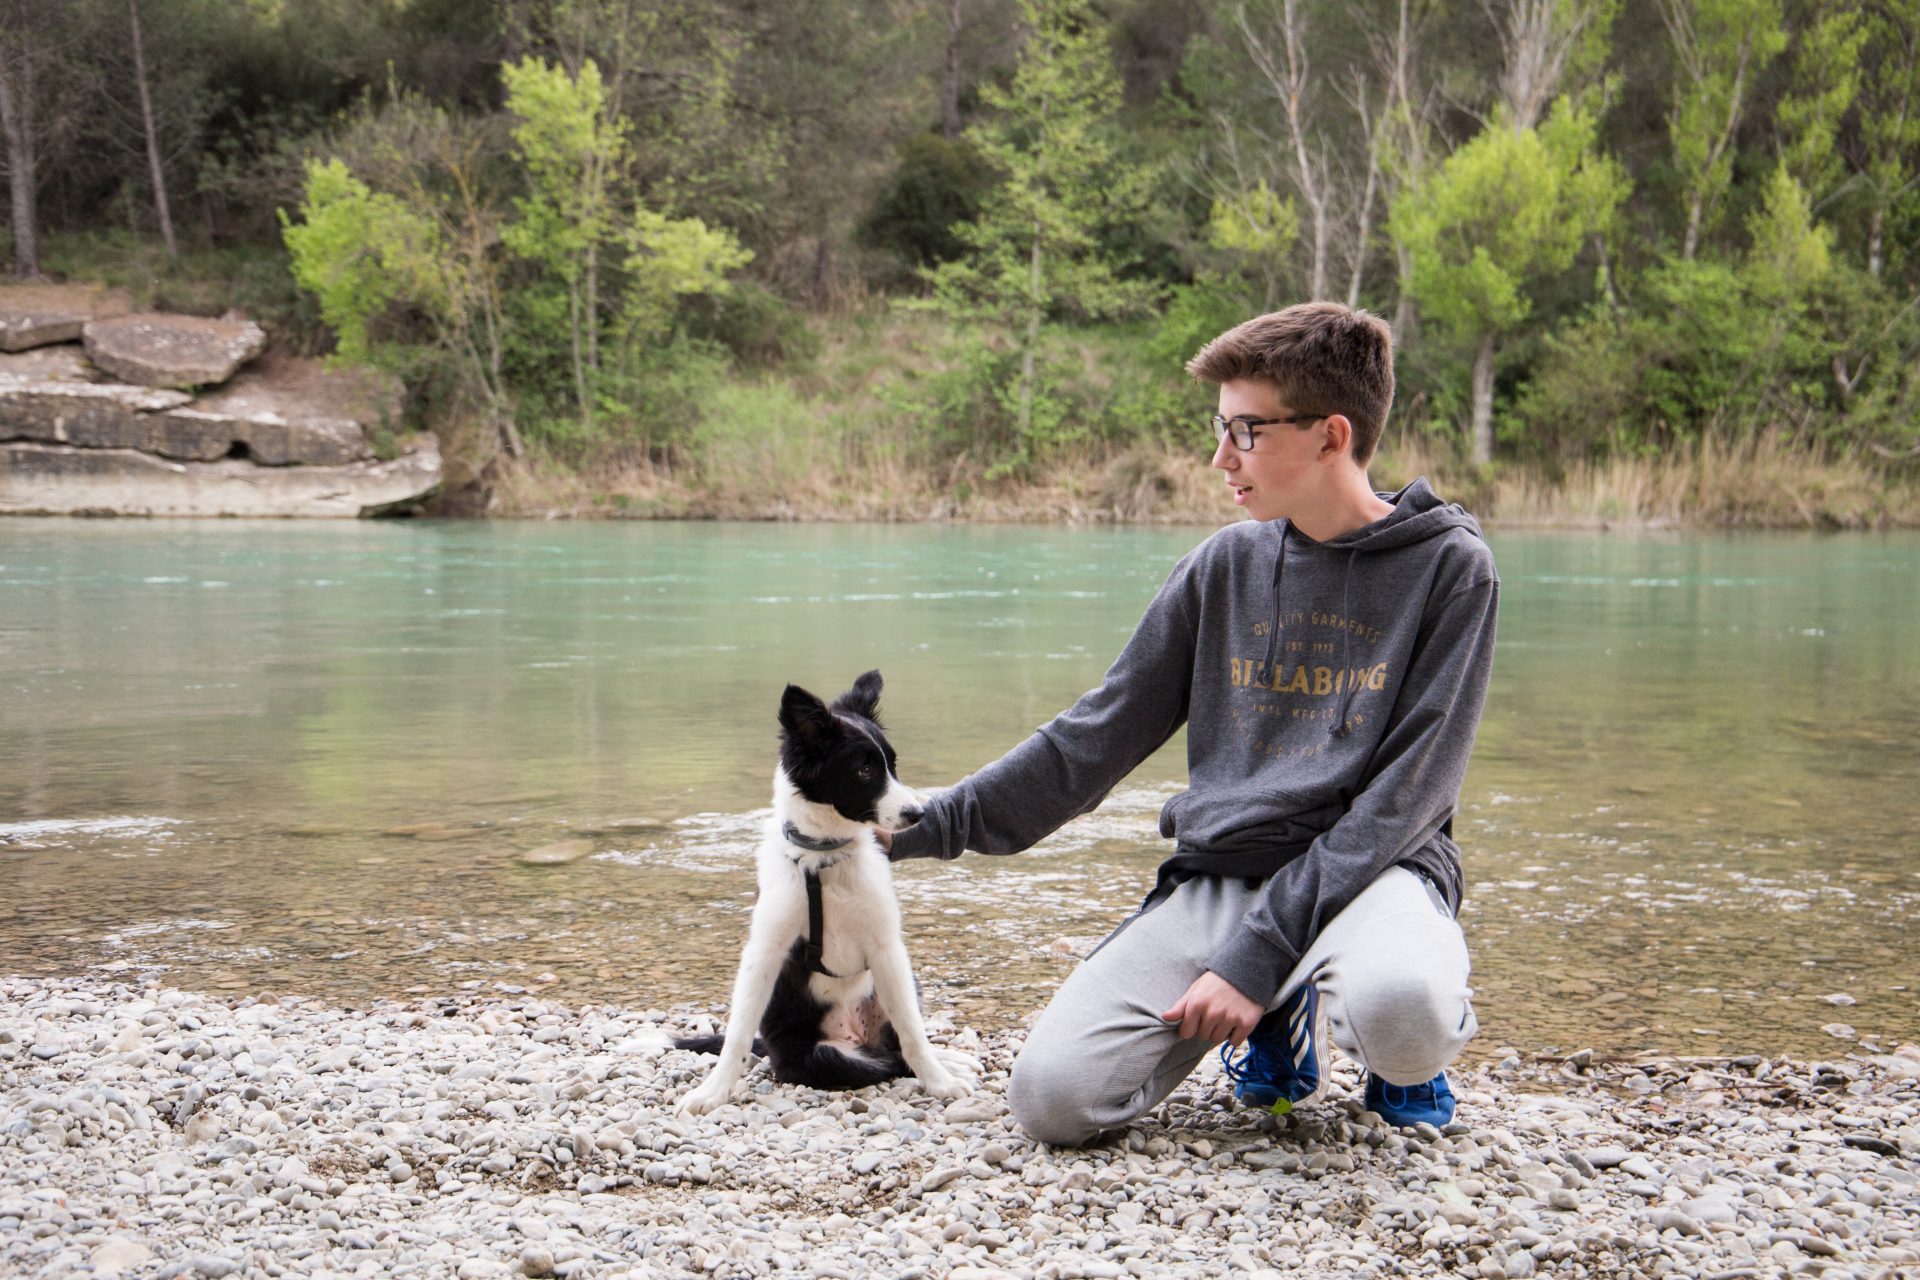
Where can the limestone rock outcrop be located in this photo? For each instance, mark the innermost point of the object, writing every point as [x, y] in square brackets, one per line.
[61, 480]
[282, 437]
[36, 315]
[155, 350]
[286, 410]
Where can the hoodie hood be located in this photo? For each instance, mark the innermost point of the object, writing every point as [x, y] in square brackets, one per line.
[1418, 514]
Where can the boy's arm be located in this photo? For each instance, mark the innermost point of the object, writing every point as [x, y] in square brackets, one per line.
[1069, 764]
[1415, 784]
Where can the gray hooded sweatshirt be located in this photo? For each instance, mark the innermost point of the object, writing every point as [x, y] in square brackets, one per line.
[1332, 691]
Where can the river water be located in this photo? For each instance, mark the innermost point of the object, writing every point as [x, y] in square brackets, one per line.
[303, 758]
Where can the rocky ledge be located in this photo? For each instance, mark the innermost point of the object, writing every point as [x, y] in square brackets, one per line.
[33, 315]
[127, 424]
[162, 1133]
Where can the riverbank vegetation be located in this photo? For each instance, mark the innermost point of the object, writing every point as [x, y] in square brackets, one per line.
[1646, 260]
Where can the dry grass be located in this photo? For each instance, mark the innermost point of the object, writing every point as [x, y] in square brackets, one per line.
[1131, 486]
[818, 474]
[1764, 482]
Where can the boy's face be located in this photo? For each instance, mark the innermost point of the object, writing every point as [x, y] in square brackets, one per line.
[1285, 465]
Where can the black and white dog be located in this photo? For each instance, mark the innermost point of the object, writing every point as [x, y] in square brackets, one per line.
[824, 975]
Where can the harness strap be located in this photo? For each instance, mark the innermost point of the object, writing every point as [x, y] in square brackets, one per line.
[816, 928]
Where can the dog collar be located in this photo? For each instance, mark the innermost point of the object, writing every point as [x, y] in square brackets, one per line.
[812, 844]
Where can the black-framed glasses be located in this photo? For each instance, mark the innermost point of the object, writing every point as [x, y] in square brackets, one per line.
[1241, 427]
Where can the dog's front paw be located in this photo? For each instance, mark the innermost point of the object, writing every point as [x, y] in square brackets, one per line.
[708, 1096]
[942, 1083]
[960, 1063]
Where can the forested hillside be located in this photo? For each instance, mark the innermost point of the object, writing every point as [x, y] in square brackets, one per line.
[1643, 258]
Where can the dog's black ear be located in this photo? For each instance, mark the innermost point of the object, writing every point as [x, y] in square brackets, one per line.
[804, 717]
[863, 699]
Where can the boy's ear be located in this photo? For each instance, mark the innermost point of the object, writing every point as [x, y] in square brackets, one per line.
[863, 699]
[1339, 434]
[804, 718]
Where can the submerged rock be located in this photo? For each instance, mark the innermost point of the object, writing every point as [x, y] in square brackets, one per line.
[559, 853]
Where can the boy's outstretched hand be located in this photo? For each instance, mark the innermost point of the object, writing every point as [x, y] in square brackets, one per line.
[1213, 1010]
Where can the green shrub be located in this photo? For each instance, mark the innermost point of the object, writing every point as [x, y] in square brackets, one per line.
[936, 185]
[758, 326]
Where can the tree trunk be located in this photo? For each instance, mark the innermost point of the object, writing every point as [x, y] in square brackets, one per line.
[1876, 231]
[950, 101]
[823, 259]
[1033, 340]
[1364, 231]
[1036, 297]
[592, 306]
[579, 363]
[1483, 402]
[1606, 275]
[153, 138]
[1406, 319]
[1692, 242]
[20, 174]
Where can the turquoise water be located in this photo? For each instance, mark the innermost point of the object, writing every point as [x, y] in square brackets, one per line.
[303, 757]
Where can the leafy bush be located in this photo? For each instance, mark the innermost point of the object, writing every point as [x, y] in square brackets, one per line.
[936, 185]
[757, 325]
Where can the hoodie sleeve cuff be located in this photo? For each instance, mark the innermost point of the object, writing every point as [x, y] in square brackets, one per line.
[921, 840]
[1253, 965]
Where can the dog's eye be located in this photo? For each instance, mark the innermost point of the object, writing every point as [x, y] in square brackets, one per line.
[865, 773]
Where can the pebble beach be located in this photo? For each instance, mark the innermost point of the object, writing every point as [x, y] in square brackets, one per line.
[156, 1132]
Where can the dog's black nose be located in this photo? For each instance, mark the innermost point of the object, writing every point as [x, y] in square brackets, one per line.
[911, 814]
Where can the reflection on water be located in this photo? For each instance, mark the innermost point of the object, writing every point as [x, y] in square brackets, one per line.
[305, 758]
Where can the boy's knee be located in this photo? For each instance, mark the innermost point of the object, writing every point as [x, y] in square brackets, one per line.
[1408, 1026]
[1049, 1097]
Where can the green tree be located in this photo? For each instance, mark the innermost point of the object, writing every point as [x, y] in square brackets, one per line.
[574, 152]
[359, 251]
[1037, 248]
[1888, 155]
[1721, 49]
[454, 225]
[1504, 212]
[1824, 82]
[400, 239]
[1258, 229]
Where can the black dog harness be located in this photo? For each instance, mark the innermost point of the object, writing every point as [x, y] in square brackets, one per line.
[816, 910]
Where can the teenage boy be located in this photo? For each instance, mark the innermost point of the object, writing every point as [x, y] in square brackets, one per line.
[1330, 658]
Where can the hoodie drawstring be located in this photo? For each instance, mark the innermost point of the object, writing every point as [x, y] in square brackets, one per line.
[1338, 729]
[1273, 628]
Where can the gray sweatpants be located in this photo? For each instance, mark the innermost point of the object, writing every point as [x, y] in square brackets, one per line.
[1391, 969]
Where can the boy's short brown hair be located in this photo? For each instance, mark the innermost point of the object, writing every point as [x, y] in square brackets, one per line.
[1323, 357]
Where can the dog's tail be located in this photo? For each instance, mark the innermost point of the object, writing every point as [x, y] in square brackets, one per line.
[832, 1066]
[711, 1044]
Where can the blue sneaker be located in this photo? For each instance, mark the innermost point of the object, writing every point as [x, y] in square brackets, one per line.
[1406, 1106]
[1286, 1060]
